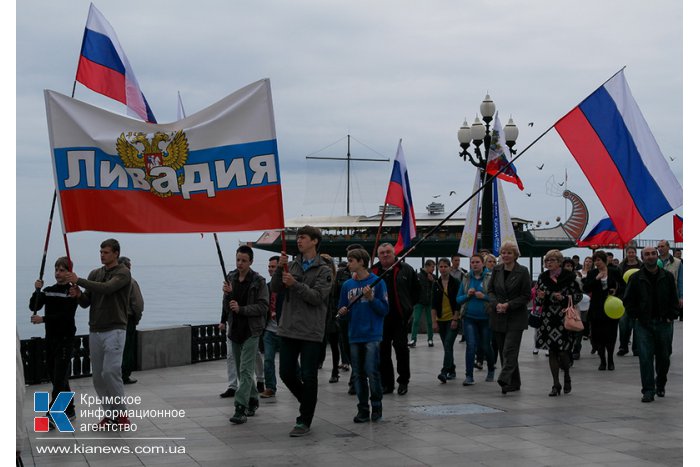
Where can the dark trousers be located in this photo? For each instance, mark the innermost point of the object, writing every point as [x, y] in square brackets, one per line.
[626, 326]
[448, 337]
[655, 340]
[394, 335]
[59, 351]
[129, 356]
[301, 381]
[334, 343]
[509, 349]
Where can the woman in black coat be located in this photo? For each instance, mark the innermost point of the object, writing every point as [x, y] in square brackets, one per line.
[600, 282]
[509, 292]
[554, 288]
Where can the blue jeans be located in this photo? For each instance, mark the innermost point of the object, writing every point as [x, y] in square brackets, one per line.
[448, 337]
[365, 363]
[478, 332]
[655, 340]
[272, 345]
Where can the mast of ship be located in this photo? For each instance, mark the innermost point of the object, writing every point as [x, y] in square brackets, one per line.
[347, 159]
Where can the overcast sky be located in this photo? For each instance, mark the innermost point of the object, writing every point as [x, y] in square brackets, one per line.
[380, 71]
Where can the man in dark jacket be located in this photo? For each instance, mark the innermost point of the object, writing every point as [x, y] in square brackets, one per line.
[651, 300]
[404, 290]
[247, 301]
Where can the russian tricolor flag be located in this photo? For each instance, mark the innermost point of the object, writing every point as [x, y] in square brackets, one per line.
[104, 68]
[603, 234]
[617, 152]
[399, 194]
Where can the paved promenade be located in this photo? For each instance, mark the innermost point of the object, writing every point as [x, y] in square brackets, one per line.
[601, 423]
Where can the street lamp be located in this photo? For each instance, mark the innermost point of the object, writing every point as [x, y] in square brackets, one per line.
[480, 133]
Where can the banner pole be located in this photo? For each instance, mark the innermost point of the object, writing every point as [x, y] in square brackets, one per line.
[221, 256]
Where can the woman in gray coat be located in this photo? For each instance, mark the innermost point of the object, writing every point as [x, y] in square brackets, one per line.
[509, 292]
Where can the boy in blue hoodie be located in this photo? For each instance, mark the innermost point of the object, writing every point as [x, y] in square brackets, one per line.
[365, 330]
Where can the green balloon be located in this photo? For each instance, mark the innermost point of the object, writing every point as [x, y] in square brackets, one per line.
[613, 307]
[629, 273]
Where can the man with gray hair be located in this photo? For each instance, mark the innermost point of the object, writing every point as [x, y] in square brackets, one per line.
[133, 317]
[652, 302]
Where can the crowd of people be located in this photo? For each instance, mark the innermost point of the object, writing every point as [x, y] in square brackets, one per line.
[363, 311]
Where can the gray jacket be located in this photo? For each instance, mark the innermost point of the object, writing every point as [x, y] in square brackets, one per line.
[305, 303]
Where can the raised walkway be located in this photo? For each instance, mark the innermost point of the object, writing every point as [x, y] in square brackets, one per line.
[601, 423]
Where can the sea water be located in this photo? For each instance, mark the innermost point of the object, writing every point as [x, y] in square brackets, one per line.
[173, 295]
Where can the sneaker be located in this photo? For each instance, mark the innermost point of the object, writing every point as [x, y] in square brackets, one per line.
[239, 416]
[479, 365]
[230, 392]
[403, 389]
[489, 377]
[451, 375]
[334, 379]
[661, 392]
[468, 381]
[260, 387]
[648, 398]
[430, 343]
[442, 377]
[267, 393]
[361, 417]
[535, 351]
[412, 343]
[299, 430]
[123, 422]
[376, 415]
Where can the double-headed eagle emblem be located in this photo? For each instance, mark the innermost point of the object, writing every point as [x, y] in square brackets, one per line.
[150, 155]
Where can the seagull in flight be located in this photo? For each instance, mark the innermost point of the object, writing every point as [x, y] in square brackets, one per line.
[672, 158]
[539, 167]
[528, 194]
[561, 184]
[531, 124]
[436, 196]
[453, 193]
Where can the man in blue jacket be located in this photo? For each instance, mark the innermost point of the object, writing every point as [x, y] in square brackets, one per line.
[365, 329]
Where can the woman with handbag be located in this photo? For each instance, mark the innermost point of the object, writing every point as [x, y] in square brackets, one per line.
[556, 289]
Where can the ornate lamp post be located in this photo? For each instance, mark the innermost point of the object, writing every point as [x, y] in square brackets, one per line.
[480, 133]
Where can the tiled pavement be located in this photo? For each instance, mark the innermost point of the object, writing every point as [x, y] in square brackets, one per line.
[602, 422]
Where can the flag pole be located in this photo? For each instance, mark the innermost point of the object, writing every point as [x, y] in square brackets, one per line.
[221, 256]
[379, 233]
[449, 216]
[381, 222]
